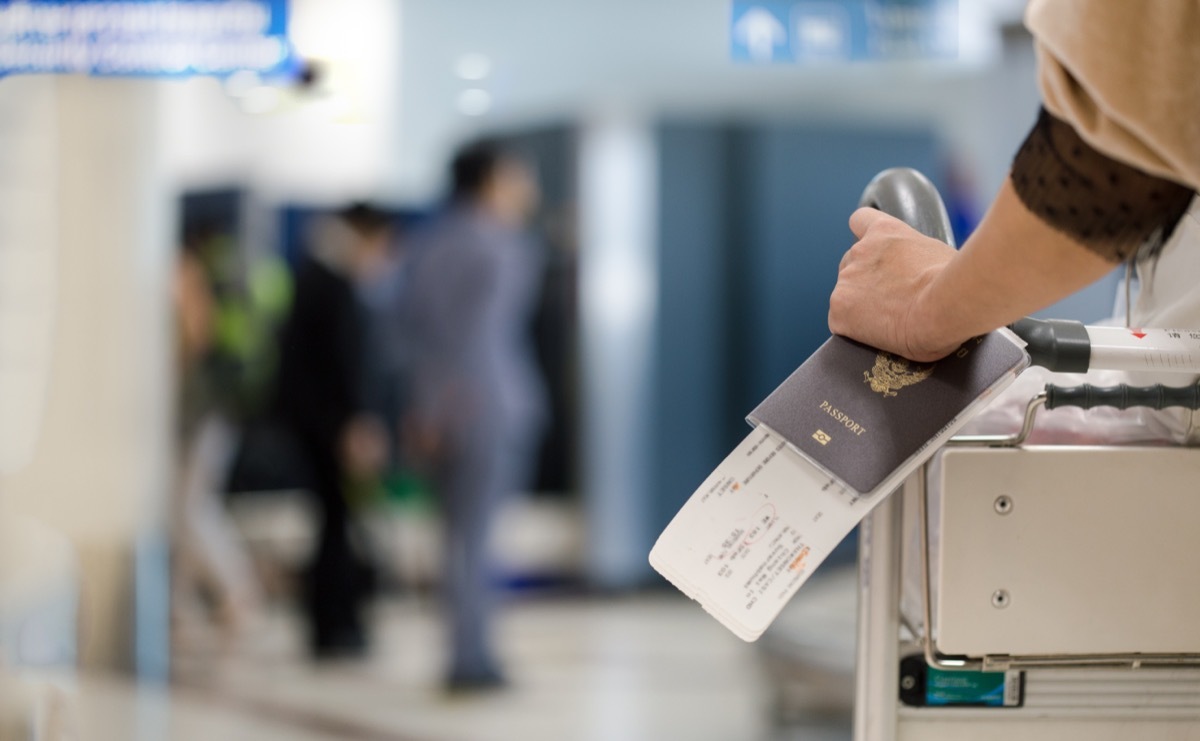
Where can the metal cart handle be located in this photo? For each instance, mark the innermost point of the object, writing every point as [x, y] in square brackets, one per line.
[909, 196]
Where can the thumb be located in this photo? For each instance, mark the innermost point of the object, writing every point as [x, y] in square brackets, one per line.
[864, 218]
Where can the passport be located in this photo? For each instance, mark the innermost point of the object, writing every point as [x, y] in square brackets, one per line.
[829, 444]
[862, 414]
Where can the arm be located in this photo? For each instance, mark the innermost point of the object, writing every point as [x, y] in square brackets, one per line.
[1066, 216]
[906, 293]
[450, 299]
[1108, 170]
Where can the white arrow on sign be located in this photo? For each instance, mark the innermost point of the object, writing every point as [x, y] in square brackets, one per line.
[761, 32]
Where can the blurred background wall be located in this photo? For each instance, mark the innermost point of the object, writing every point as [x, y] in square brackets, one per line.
[695, 213]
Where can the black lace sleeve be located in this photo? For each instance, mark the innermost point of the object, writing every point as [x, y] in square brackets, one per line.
[1109, 207]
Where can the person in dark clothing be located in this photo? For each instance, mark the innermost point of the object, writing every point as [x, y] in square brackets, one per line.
[322, 401]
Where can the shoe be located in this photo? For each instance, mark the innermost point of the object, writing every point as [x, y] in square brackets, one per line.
[347, 642]
[475, 682]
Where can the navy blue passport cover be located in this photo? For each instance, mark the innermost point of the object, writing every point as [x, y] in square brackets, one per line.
[861, 413]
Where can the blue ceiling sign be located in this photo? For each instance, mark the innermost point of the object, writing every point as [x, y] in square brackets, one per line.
[144, 38]
[816, 31]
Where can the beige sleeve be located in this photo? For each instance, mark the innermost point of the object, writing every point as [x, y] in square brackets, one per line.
[1126, 75]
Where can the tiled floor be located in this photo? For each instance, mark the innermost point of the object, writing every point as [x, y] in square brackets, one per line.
[652, 668]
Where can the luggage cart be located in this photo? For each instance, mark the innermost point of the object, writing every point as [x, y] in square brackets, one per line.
[1065, 595]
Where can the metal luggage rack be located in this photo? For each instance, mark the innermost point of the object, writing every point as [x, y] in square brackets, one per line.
[1005, 662]
[1056, 345]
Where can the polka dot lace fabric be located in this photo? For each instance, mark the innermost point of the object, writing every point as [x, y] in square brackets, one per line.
[1111, 208]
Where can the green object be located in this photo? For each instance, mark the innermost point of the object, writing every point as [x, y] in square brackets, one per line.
[409, 490]
[993, 689]
[252, 299]
[271, 288]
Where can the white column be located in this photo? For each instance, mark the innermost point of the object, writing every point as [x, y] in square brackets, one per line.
[28, 260]
[618, 283]
[92, 457]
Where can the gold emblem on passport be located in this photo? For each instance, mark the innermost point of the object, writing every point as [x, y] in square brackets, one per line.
[822, 437]
[892, 373]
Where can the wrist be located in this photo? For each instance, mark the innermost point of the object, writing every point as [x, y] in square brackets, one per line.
[931, 332]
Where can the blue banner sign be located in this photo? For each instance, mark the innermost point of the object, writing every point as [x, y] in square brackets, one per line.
[143, 38]
[816, 31]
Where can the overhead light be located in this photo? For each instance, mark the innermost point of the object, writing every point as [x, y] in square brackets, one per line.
[474, 102]
[473, 67]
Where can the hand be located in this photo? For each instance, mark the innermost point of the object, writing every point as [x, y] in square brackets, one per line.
[882, 288]
[364, 446]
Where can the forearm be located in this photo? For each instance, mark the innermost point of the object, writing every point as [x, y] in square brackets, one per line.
[1013, 264]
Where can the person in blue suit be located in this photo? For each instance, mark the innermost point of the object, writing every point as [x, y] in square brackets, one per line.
[477, 401]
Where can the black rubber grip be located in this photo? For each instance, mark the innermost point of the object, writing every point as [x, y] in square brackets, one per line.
[1055, 344]
[1123, 396]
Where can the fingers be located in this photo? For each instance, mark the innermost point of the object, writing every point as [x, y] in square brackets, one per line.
[862, 221]
[864, 218]
[834, 317]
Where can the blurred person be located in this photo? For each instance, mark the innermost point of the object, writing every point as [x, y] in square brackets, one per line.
[322, 400]
[478, 405]
[1106, 175]
[209, 558]
[387, 345]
